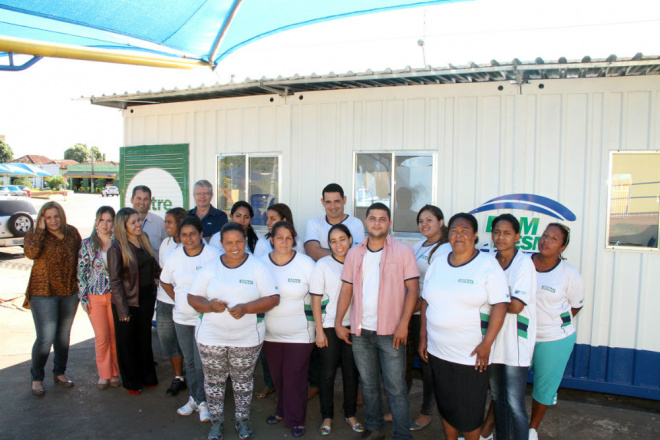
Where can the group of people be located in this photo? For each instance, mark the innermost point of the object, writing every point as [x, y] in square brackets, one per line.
[225, 296]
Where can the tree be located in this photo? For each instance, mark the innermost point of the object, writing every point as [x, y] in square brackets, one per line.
[6, 153]
[98, 156]
[22, 181]
[55, 182]
[79, 153]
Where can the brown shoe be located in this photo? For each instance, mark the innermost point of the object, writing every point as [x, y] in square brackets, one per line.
[103, 385]
[66, 383]
[38, 391]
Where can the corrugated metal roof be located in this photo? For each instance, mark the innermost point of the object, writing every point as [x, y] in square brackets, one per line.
[514, 71]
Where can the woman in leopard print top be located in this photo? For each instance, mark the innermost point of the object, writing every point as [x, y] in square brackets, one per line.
[52, 291]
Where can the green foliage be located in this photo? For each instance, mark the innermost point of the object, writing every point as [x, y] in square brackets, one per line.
[55, 182]
[21, 181]
[6, 153]
[98, 156]
[81, 153]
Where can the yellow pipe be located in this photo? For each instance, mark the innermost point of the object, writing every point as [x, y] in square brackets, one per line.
[55, 50]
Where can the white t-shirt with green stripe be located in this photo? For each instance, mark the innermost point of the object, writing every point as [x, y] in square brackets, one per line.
[180, 270]
[292, 320]
[326, 282]
[239, 285]
[558, 291]
[459, 303]
[514, 344]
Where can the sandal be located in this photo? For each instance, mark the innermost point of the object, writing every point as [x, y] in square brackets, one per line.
[264, 393]
[273, 420]
[325, 430]
[298, 431]
[357, 427]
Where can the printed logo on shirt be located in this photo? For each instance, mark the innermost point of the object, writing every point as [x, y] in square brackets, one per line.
[294, 280]
[245, 281]
[548, 288]
[520, 293]
[198, 267]
[465, 281]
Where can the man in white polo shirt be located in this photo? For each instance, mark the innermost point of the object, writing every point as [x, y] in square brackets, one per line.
[152, 224]
[316, 233]
[316, 246]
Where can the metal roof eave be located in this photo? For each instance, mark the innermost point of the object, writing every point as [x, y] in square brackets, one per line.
[515, 71]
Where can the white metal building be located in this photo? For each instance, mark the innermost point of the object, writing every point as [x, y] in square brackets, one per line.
[576, 142]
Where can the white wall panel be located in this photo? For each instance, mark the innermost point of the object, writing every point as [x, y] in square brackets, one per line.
[553, 141]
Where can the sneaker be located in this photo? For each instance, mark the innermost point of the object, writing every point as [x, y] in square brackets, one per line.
[533, 435]
[204, 414]
[188, 408]
[244, 429]
[216, 431]
[176, 386]
[372, 435]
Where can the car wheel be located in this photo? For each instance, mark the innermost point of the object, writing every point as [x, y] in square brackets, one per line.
[19, 224]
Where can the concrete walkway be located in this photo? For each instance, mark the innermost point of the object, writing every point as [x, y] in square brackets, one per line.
[85, 412]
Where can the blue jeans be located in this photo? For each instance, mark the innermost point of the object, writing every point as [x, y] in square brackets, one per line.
[167, 336]
[192, 361]
[53, 317]
[374, 354]
[508, 385]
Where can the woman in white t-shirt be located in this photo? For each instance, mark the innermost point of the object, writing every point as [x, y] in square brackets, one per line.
[465, 298]
[275, 213]
[232, 293]
[325, 287]
[559, 297]
[290, 328]
[241, 213]
[177, 277]
[514, 345]
[431, 223]
[169, 344]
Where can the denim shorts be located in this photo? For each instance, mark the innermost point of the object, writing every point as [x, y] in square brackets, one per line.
[169, 344]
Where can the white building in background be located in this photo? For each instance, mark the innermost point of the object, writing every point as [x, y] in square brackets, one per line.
[576, 142]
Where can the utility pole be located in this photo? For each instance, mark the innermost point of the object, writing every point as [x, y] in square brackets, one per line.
[91, 179]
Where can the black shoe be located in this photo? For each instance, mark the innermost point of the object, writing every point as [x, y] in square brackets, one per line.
[176, 386]
[371, 435]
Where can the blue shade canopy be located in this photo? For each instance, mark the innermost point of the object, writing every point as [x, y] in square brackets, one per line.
[14, 170]
[199, 31]
[36, 171]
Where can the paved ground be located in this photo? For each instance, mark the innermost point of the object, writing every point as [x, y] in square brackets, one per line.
[85, 412]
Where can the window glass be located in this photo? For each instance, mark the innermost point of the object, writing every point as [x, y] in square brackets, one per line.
[634, 200]
[261, 189]
[231, 180]
[414, 178]
[373, 181]
[263, 186]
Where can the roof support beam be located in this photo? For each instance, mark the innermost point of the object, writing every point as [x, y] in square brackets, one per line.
[38, 49]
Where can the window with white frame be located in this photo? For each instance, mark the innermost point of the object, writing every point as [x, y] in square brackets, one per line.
[403, 181]
[634, 200]
[254, 178]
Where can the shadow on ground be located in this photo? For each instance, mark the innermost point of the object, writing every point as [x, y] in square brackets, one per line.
[86, 412]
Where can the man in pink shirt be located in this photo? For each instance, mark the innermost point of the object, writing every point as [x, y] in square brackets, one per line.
[381, 284]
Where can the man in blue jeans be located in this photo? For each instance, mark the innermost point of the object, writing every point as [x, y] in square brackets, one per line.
[381, 285]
